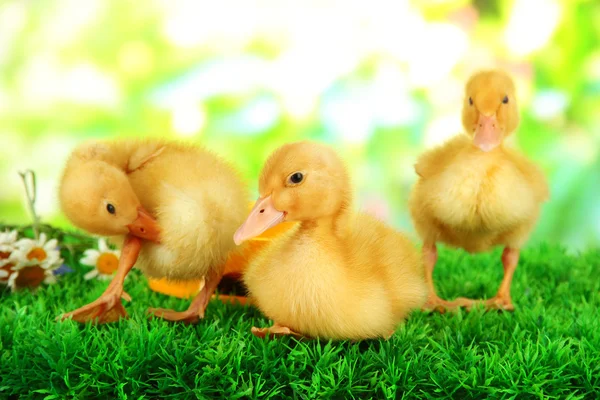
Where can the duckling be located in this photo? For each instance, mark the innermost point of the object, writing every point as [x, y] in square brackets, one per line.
[474, 192]
[336, 274]
[176, 205]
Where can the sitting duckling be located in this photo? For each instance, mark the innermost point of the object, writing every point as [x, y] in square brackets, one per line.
[336, 274]
[473, 192]
[177, 205]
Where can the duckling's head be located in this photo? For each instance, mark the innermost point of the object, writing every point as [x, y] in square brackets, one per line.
[301, 181]
[98, 198]
[490, 110]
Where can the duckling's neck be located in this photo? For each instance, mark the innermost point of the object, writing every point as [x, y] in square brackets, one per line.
[335, 225]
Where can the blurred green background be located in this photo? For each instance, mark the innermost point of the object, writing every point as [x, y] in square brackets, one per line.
[380, 80]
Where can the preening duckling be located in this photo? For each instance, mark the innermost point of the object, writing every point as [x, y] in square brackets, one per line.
[475, 193]
[337, 274]
[177, 204]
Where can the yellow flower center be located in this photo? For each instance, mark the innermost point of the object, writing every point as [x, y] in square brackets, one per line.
[37, 253]
[30, 277]
[107, 263]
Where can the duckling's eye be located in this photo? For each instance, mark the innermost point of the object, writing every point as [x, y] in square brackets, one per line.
[470, 101]
[110, 208]
[505, 100]
[296, 177]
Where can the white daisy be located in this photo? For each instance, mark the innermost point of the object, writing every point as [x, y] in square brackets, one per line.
[30, 276]
[41, 252]
[104, 261]
[36, 261]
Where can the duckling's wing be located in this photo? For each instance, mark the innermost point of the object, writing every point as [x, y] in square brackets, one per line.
[143, 154]
[436, 159]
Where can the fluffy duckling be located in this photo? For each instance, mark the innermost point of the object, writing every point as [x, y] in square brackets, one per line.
[336, 274]
[177, 205]
[475, 193]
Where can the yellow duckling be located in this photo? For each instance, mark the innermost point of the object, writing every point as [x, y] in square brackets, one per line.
[473, 192]
[336, 274]
[177, 204]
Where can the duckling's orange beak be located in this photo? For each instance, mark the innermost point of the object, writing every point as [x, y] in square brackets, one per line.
[145, 226]
[488, 135]
[263, 216]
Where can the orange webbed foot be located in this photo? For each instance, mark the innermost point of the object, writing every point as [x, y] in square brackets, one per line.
[502, 303]
[277, 331]
[435, 303]
[192, 315]
[189, 316]
[107, 308]
[195, 311]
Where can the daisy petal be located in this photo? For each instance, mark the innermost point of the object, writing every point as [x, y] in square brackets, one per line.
[50, 279]
[91, 253]
[12, 280]
[102, 246]
[90, 259]
[8, 238]
[91, 275]
[25, 243]
[104, 277]
[51, 245]
[5, 261]
[54, 261]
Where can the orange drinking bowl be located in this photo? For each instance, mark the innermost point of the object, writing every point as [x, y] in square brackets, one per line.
[234, 266]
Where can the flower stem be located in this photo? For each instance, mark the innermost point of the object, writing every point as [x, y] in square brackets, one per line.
[30, 191]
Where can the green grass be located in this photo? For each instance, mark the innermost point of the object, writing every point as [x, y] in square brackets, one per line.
[548, 348]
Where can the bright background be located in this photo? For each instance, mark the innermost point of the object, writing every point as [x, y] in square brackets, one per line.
[381, 80]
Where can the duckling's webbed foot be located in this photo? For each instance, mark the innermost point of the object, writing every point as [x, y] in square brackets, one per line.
[190, 316]
[434, 303]
[275, 330]
[108, 307]
[499, 303]
[195, 311]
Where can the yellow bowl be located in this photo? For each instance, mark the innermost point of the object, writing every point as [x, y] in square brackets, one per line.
[234, 266]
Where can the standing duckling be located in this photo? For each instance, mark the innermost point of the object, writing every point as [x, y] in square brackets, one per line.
[336, 274]
[475, 193]
[177, 206]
